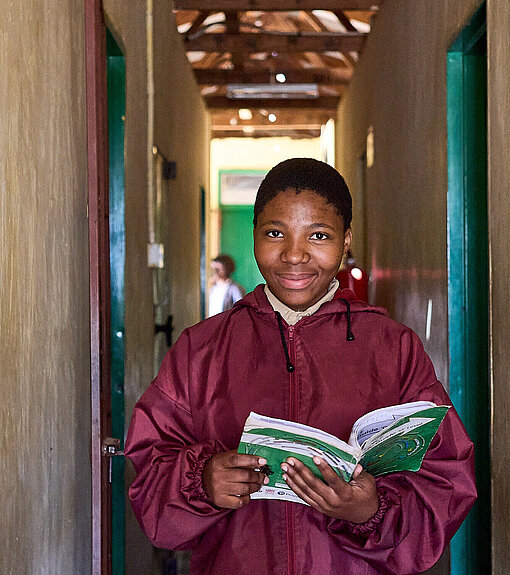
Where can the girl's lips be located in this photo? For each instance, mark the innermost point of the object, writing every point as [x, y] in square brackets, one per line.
[295, 281]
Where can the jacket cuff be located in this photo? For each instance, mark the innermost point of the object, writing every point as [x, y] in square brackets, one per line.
[197, 474]
[192, 485]
[375, 520]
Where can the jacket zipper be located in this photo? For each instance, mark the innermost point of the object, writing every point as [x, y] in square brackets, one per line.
[292, 359]
[289, 506]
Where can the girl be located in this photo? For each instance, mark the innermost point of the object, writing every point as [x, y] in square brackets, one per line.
[295, 348]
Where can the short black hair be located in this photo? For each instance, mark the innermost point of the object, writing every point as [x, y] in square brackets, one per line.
[301, 174]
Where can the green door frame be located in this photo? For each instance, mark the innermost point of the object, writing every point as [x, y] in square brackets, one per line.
[116, 93]
[468, 276]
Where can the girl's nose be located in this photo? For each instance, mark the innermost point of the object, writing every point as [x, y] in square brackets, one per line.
[295, 253]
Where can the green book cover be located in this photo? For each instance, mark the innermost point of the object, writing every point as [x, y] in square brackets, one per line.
[403, 444]
[386, 440]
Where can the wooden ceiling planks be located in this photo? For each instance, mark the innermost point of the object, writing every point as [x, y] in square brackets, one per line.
[247, 43]
[259, 75]
[276, 5]
[250, 43]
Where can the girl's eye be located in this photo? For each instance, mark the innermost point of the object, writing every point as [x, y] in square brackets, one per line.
[274, 234]
[319, 236]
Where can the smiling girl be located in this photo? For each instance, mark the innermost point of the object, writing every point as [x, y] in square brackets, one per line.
[295, 348]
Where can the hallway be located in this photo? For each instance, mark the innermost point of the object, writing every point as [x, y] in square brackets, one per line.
[390, 132]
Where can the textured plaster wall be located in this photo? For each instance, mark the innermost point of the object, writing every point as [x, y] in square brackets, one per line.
[399, 88]
[44, 310]
[498, 24]
[181, 134]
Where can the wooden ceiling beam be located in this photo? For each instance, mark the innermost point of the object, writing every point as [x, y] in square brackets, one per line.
[197, 22]
[206, 77]
[316, 22]
[290, 116]
[248, 43]
[272, 6]
[344, 20]
[211, 60]
[232, 21]
[322, 102]
[268, 127]
[294, 134]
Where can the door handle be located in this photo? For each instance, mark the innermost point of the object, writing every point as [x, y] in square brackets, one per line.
[110, 448]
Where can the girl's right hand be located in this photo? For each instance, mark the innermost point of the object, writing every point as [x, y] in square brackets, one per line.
[230, 477]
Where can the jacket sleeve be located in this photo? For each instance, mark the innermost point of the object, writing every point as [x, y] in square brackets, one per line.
[418, 512]
[167, 495]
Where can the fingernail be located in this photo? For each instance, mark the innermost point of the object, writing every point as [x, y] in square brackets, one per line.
[284, 477]
[284, 467]
[290, 462]
[317, 461]
[266, 480]
[262, 461]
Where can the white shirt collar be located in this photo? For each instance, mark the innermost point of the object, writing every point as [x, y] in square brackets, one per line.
[291, 316]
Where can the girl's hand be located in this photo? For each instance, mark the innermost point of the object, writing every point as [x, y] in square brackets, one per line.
[230, 477]
[355, 501]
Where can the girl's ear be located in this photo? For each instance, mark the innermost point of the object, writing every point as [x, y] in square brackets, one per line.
[347, 240]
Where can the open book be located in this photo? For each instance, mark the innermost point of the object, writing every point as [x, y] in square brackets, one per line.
[389, 439]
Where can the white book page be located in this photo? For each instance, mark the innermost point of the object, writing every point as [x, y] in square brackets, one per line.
[374, 422]
[256, 421]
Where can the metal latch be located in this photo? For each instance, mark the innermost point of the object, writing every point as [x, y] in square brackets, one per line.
[110, 448]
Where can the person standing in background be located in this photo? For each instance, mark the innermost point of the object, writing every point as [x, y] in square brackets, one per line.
[224, 292]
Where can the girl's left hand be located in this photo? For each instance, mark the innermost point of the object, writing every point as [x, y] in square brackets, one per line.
[356, 501]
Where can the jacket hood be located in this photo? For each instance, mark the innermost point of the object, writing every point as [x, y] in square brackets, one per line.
[342, 300]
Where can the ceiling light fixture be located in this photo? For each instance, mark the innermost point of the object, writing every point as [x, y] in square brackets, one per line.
[245, 114]
[264, 91]
[281, 78]
[272, 117]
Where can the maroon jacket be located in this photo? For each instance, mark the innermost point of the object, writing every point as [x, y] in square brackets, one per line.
[233, 363]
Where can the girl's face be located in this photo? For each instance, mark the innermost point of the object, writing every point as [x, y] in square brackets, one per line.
[299, 244]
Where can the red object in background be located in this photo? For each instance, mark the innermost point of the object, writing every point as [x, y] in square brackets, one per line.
[354, 278]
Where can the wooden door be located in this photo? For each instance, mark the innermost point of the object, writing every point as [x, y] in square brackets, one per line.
[97, 171]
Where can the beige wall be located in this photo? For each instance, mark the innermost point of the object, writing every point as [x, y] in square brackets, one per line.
[400, 89]
[498, 24]
[181, 134]
[44, 314]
